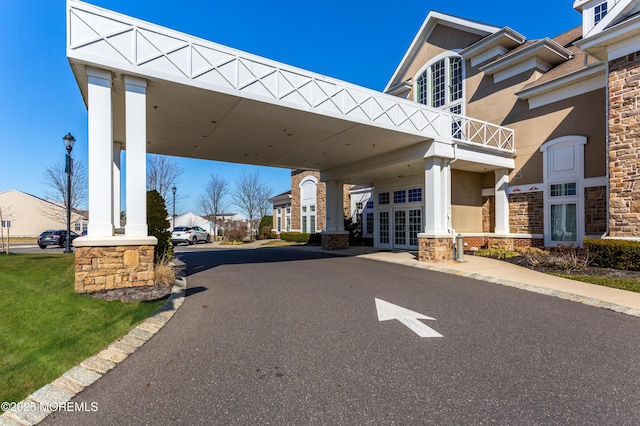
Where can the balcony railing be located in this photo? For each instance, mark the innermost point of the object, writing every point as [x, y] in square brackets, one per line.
[470, 130]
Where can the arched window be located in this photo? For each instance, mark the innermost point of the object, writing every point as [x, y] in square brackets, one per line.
[440, 83]
[308, 191]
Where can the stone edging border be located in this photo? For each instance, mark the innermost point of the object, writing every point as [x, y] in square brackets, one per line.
[61, 390]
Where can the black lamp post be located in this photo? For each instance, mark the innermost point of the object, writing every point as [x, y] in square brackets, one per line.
[174, 206]
[69, 141]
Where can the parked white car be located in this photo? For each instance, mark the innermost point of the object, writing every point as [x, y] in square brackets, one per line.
[189, 235]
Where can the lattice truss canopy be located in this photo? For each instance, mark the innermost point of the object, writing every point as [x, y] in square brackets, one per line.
[209, 101]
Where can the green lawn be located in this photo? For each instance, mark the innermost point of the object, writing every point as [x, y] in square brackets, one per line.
[629, 284]
[46, 328]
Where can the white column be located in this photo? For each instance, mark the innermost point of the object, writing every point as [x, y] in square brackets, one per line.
[502, 201]
[437, 200]
[136, 167]
[334, 207]
[100, 147]
[117, 148]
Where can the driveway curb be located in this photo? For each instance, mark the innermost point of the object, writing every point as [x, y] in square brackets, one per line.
[34, 408]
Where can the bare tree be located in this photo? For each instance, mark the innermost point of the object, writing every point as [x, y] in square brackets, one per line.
[213, 201]
[55, 181]
[162, 173]
[249, 193]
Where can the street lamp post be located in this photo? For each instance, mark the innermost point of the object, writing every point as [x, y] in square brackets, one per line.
[69, 141]
[174, 206]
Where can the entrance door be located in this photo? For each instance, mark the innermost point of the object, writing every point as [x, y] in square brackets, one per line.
[407, 223]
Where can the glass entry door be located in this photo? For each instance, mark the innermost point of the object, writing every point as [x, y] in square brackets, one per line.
[407, 223]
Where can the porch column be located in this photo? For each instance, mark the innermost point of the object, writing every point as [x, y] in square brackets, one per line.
[502, 201]
[100, 147]
[436, 244]
[437, 185]
[335, 237]
[117, 187]
[335, 210]
[136, 137]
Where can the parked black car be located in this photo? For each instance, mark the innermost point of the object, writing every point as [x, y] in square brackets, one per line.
[54, 237]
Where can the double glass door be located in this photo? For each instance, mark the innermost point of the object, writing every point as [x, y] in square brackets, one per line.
[399, 228]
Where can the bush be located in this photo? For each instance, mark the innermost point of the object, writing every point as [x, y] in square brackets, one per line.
[158, 225]
[236, 234]
[265, 223]
[300, 237]
[496, 253]
[616, 254]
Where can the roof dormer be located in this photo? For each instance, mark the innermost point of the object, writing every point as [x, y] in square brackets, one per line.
[541, 55]
[492, 46]
[600, 14]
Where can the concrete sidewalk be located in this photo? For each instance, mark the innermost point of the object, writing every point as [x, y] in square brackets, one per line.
[504, 273]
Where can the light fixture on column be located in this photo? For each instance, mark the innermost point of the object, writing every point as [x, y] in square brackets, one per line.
[69, 141]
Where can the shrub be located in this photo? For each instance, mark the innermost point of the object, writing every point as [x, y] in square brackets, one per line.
[296, 237]
[496, 253]
[568, 258]
[617, 254]
[236, 234]
[165, 272]
[158, 225]
[266, 223]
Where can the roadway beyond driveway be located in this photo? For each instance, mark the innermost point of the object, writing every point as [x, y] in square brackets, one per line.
[286, 337]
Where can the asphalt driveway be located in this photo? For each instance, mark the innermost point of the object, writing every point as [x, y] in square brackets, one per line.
[282, 336]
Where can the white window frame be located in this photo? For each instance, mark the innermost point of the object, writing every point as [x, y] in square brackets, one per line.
[427, 69]
[308, 205]
[564, 176]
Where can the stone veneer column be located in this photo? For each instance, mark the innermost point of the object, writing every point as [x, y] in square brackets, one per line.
[624, 146]
[105, 267]
[335, 237]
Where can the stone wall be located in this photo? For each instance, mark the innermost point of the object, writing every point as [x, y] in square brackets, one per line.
[335, 240]
[488, 214]
[595, 210]
[435, 250]
[624, 146]
[105, 268]
[526, 213]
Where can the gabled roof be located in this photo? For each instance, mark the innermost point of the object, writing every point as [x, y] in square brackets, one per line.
[494, 45]
[543, 54]
[432, 20]
[615, 14]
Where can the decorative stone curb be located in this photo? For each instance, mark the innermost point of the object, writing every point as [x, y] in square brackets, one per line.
[65, 387]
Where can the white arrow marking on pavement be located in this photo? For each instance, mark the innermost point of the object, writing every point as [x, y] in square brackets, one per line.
[389, 311]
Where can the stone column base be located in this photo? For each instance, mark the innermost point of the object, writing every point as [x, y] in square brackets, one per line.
[335, 240]
[435, 248]
[512, 243]
[104, 266]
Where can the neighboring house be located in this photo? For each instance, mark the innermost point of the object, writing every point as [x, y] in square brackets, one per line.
[28, 215]
[303, 208]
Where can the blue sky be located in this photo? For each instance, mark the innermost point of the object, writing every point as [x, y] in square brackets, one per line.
[357, 41]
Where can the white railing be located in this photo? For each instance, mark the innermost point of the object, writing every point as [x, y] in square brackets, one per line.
[470, 130]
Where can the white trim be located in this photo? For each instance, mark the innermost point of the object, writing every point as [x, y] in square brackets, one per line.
[426, 68]
[562, 89]
[577, 176]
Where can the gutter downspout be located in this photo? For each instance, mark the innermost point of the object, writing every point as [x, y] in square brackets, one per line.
[449, 228]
